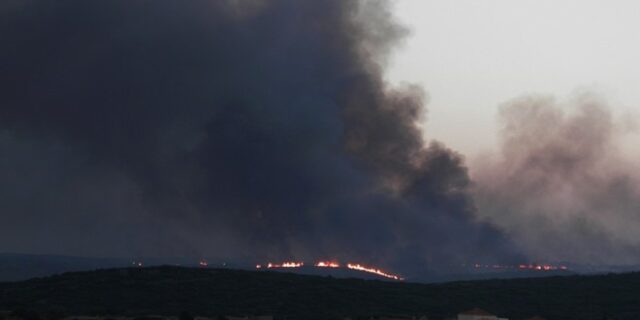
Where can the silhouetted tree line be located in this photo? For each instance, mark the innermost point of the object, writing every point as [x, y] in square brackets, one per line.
[184, 293]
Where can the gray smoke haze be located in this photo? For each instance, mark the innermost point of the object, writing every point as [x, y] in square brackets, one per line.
[240, 129]
[561, 188]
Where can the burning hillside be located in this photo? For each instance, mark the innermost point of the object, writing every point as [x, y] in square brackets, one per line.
[333, 265]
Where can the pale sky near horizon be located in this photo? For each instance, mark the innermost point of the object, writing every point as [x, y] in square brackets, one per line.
[470, 56]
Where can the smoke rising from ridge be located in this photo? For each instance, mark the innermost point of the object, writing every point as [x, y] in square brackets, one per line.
[242, 129]
[561, 187]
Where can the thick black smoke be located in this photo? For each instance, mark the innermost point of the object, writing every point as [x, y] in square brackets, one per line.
[561, 186]
[241, 129]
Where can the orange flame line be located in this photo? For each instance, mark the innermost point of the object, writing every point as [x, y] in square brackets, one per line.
[331, 264]
[374, 271]
[327, 264]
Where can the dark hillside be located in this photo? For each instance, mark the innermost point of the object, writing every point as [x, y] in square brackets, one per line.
[170, 290]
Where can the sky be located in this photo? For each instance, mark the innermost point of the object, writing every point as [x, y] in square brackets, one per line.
[471, 56]
[542, 99]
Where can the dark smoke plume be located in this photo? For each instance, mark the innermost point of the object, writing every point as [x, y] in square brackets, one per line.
[561, 187]
[240, 129]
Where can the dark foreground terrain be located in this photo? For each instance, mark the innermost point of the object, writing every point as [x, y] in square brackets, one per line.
[210, 292]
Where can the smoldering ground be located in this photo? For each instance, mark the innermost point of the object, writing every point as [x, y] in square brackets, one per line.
[562, 187]
[241, 129]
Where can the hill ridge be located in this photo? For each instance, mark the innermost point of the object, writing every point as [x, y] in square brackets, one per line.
[170, 290]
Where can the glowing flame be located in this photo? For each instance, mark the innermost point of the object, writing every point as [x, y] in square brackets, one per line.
[327, 264]
[292, 264]
[541, 267]
[330, 264]
[374, 271]
[534, 267]
[287, 264]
